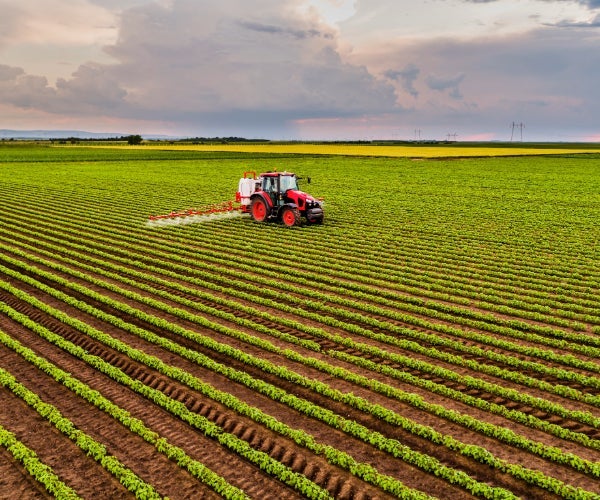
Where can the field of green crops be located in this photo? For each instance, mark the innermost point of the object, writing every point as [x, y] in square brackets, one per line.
[437, 336]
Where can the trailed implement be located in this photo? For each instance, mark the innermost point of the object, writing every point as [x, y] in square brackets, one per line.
[271, 196]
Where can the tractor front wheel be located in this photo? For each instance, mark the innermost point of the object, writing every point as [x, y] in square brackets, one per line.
[258, 210]
[290, 216]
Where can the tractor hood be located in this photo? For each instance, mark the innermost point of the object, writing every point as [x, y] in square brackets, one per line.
[308, 206]
[300, 197]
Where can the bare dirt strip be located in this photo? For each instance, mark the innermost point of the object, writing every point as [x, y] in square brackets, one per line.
[16, 482]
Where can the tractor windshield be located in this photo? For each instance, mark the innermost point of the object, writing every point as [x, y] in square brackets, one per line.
[288, 182]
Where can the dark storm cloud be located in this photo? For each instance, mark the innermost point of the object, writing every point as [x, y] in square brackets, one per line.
[595, 23]
[446, 83]
[8, 73]
[406, 76]
[89, 90]
[188, 62]
[547, 78]
[277, 30]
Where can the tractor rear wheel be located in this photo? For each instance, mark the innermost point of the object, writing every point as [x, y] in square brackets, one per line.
[290, 216]
[258, 210]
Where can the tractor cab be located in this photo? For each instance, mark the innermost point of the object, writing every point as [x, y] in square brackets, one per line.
[275, 196]
[276, 185]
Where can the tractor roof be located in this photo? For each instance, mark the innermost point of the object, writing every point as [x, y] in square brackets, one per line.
[275, 174]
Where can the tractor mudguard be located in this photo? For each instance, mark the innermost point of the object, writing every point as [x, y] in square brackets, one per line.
[261, 207]
[266, 198]
[289, 205]
[289, 214]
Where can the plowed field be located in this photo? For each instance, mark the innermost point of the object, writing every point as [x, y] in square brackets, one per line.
[437, 336]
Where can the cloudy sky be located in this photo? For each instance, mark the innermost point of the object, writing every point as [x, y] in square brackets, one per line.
[304, 69]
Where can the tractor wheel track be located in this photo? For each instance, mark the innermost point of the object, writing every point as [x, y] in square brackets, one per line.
[461, 462]
[327, 345]
[573, 425]
[386, 464]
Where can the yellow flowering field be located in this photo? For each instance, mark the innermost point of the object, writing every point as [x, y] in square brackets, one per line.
[440, 151]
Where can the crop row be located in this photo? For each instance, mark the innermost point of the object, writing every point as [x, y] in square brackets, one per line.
[470, 450]
[88, 445]
[431, 284]
[118, 273]
[300, 437]
[364, 471]
[319, 333]
[565, 270]
[36, 468]
[514, 395]
[453, 336]
[210, 429]
[406, 361]
[451, 291]
[135, 425]
[441, 312]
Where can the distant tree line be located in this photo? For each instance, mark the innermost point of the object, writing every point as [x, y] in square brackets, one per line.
[222, 140]
[130, 139]
[135, 139]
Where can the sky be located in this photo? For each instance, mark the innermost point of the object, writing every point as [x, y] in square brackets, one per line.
[304, 69]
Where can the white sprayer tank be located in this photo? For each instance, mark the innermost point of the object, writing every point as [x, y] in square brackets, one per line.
[246, 189]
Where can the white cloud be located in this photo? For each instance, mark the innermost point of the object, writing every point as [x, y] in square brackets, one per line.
[333, 11]
[377, 21]
[53, 37]
[57, 22]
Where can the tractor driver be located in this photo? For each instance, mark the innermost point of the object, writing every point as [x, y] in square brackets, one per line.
[269, 184]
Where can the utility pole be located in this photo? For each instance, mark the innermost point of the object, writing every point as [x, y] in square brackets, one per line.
[520, 126]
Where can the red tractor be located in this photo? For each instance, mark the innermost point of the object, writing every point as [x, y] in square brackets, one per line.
[274, 196]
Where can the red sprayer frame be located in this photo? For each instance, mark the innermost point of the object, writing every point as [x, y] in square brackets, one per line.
[226, 206]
